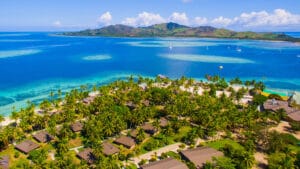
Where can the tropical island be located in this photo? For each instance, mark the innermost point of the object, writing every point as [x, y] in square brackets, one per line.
[176, 30]
[156, 123]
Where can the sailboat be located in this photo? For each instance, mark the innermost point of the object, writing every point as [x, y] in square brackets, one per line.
[170, 46]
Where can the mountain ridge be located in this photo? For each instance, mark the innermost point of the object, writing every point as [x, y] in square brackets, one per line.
[172, 29]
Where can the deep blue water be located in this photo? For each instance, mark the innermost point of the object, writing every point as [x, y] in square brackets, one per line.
[33, 64]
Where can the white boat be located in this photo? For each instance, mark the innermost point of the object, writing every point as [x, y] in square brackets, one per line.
[239, 50]
[171, 46]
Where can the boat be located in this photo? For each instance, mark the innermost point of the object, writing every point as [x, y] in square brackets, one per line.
[238, 49]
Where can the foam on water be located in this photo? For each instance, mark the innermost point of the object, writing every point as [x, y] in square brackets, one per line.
[97, 57]
[20, 40]
[13, 34]
[156, 44]
[15, 53]
[206, 58]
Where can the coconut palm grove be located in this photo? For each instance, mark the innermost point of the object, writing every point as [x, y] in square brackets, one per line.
[142, 122]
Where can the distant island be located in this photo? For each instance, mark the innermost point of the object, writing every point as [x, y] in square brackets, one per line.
[176, 30]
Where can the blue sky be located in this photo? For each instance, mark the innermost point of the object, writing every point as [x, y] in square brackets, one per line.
[57, 15]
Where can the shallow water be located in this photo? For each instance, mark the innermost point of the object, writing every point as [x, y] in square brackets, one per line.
[34, 64]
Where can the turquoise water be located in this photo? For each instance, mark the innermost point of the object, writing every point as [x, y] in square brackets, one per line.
[34, 64]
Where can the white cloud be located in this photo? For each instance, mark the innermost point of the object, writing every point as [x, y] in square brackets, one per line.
[180, 18]
[221, 21]
[257, 20]
[105, 19]
[57, 24]
[198, 21]
[144, 19]
[279, 17]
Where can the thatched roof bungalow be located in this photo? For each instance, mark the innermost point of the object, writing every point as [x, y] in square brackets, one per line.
[109, 149]
[199, 156]
[43, 137]
[169, 163]
[77, 126]
[87, 155]
[4, 162]
[27, 146]
[127, 142]
[149, 128]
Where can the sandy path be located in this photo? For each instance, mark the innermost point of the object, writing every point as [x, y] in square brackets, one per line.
[283, 127]
[261, 160]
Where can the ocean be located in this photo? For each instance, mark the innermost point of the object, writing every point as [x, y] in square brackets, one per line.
[33, 64]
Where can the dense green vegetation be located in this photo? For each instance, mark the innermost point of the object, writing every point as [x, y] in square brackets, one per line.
[176, 30]
[240, 128]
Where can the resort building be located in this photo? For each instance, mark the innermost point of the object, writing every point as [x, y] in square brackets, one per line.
[127, 142]
[275, 105]
[295, 98]
[199, 156]
[130, 105]
[77, 126]
[109, 149]
[87, 155]
[4, 162]
[169, 163]
[43, 137]
[163, 122]
[27, 146]
[149, 128]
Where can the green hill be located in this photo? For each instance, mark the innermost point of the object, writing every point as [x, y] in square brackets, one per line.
[176, 30]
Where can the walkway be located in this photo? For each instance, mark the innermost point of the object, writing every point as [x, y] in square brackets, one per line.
[158, 152]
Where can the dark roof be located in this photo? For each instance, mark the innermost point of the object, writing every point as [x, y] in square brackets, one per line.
[43, 136]
[77, 126]
[125, 141]
[163, 122]
[88, 99]
[27, 146]
[168, 163]
[148, 128]
[130, 105]
[275, 105]
[295, 115]
[199, 156]
[146, 102]
[87, 155]
[4, 162]
[133, 133]
[109, 149]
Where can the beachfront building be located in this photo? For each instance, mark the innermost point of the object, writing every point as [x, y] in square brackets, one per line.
[87, 155]
[169, 163]
[295, 98]
[27, 146]
[275, 105]
[109, 149]
[43, 137]
[127, 142]
[199, 156]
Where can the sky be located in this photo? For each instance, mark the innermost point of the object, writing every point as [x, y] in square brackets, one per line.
[69, 15]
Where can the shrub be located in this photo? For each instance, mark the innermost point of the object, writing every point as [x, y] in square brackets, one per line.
[274, 96]
[295, 125]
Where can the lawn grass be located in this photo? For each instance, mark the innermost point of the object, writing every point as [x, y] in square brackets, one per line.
[183, 131]
[75, 142]
[219, 144]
